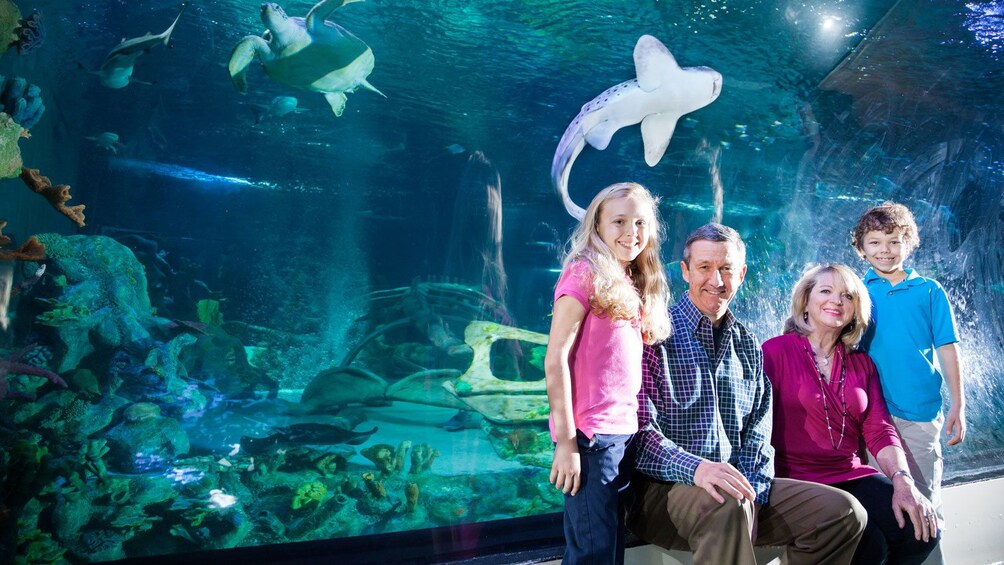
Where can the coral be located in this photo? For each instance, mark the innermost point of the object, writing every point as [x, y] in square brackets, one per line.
[132, 519]
[145, 445]
[56, 195]
[12, 365]
[104, 279]
[375, 487]
[141, 411]
[208, 312]
[39, 547]
[309, 493]
[30, 34]
[30, 250]
[21, 101]
[330, 464]
[61, 313]
[10, 154]
[401, 455]
[85, 382]
[382, 455]
[10, 19]
[422, 456]
[411, 498]
[90, 456]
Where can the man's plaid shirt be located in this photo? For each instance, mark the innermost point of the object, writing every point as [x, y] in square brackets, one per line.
[691, 410]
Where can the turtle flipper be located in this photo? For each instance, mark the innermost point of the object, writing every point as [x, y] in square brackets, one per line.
[365, 84]
[337, 102]
[322, 10]
[244, 52]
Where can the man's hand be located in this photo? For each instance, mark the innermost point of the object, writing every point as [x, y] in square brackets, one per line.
[955, 424]
[713, 476]
[566, 468]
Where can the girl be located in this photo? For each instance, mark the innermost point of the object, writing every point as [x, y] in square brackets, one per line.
[612, 295]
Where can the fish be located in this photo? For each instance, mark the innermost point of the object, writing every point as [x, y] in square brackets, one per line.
[657, 98]
[116, 70]
[305, 434]
[280, 106]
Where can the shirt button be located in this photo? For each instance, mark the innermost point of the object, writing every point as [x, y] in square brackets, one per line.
[890, 293]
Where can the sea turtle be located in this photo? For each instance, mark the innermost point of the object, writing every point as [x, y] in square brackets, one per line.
[308, 53]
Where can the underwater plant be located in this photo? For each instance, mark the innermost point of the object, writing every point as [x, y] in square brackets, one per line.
[30, 33]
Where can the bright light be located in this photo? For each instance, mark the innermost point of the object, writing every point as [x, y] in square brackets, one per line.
[830, 24]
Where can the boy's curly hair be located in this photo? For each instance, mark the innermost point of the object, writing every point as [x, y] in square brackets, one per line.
[886, 217]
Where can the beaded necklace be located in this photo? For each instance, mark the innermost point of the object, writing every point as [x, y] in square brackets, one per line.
[826, 408]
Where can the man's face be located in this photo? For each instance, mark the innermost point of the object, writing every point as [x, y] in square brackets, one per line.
[715, 272]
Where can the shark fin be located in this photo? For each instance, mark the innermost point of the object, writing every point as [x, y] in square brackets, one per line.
[652, 62]
[656, 131]
[599, 135]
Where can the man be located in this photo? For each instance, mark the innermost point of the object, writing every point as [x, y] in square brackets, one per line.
[706, 472]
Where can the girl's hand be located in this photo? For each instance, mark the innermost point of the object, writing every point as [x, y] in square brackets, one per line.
[566, 468]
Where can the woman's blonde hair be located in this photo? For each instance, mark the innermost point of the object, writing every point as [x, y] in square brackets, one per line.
[614, 296]
[852, 332]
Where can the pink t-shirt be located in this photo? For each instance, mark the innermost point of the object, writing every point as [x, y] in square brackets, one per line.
[803, 445]
[605, 363]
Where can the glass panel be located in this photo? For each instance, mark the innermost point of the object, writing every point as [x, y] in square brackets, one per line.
[289, 319]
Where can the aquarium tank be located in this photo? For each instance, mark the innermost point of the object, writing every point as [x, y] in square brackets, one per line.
[282, 273]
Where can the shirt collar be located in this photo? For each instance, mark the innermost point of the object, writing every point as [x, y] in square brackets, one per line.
[912, 277]
[692, 317]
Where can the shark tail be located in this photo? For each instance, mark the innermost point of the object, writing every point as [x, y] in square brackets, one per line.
[571, 144]
[167, 32]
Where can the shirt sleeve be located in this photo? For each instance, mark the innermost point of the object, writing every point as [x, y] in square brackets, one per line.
[575, 281]
[658, 456]
[877, 428]
[942, 320]
[756, 456]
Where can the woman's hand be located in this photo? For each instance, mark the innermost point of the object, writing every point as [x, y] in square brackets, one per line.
[566, 468]
[906, 499]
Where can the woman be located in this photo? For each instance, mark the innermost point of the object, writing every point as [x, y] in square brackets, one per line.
[828, 407]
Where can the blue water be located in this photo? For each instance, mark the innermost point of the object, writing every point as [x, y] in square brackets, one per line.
[312, 233]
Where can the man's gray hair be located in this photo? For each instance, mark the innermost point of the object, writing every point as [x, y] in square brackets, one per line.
[717, 233]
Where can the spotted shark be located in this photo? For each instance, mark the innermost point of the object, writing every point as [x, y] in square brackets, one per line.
[116, 70]
[657, 98]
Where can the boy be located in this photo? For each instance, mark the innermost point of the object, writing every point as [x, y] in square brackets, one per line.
[911, 319]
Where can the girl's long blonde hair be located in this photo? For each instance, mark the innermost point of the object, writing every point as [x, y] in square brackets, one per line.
[614, 296]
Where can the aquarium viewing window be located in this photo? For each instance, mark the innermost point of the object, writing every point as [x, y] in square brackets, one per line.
[276, 280]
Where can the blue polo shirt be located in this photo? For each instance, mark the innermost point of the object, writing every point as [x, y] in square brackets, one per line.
[909, 322]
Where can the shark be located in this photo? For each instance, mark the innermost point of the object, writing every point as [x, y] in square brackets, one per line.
[305, 434]
[661, 93]
[116, 70]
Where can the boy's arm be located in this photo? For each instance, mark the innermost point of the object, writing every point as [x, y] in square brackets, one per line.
[955, 422]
